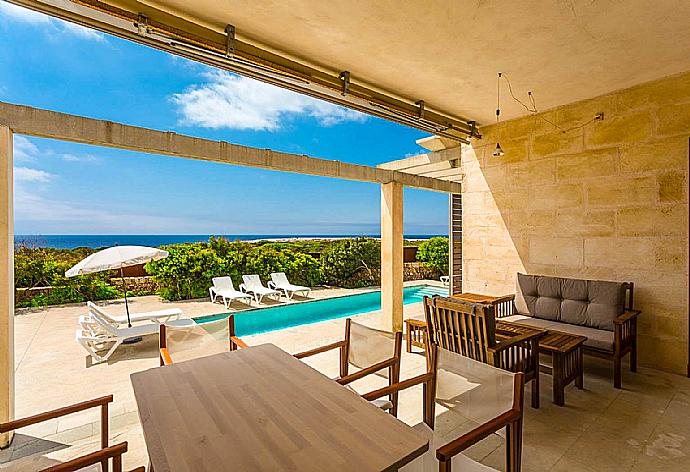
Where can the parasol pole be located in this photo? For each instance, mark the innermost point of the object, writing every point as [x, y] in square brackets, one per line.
[124, 288]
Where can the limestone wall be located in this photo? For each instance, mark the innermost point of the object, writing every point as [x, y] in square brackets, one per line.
[605, 201]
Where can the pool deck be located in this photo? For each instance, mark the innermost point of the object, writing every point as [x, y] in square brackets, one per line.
[643, 427]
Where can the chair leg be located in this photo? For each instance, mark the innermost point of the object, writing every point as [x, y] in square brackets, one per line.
[617, 372]
[633, 357]
[535, 389]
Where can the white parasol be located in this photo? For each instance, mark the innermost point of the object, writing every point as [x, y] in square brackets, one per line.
[116, 258]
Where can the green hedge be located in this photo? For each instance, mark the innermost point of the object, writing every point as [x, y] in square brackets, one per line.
[352, 262]
[187, 272]
[434, 253]
[42, 267]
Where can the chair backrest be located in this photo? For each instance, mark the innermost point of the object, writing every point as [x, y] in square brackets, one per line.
[93, 308]
[466, 328]
[472, 389]
[106, 324]
[368, 346]
[251, 281]
[198, 340]
[223, 283]
[477, 399]
[280, 279]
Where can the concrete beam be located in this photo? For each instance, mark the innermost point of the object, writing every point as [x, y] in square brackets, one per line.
[50, 124]
[410, 164]
[392, 255]
[6, 283]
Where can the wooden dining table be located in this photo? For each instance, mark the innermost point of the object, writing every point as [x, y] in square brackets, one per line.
[261, 409]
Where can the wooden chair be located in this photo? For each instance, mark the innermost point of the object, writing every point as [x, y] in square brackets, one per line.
[470, 329]
[98, 460]
[203, 339]
[371, 350]
[483, 398]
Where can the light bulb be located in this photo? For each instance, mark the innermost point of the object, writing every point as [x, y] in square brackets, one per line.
[498, 152]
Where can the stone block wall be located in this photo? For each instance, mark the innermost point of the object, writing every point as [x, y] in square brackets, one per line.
[608, 200]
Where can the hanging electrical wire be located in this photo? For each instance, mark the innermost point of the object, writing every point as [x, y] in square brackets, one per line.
[535, 111]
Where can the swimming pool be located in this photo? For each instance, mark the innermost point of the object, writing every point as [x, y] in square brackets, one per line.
[261, 320]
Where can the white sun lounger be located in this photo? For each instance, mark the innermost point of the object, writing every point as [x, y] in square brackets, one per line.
[222, 287]
[252, 284]
[162, 316]
[97, 334]
[445, 279]
[279, 281]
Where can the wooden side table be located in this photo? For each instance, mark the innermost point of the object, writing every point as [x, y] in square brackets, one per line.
[415, 334]
[566, 359]
[566, 356]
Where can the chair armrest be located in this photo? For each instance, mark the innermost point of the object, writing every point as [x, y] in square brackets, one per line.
[510, 342]
[367, 371]
[503, 299]
[238, 342]
[319, 350]
[49, 415]
[416, 323]
[115, 452]
[456, 446]
[396, 387]
[626, 316]
[165, 356]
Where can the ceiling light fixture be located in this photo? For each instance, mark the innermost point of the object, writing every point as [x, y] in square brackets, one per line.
[498, 152]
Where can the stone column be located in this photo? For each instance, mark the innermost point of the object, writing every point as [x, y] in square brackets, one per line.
[392, 255]
[6, 283]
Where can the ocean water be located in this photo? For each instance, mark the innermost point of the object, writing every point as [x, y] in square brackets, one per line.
[70, 241]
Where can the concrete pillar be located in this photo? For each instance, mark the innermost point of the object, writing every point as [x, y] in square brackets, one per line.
[6, 283]
[392, 255]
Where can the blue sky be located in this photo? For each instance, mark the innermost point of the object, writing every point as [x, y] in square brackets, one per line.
[66, 188]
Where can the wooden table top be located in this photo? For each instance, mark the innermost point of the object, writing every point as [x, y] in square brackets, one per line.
[474, 297]
[552, 341]
[262, 409]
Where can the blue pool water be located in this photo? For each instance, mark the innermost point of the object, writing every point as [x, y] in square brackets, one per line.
[279, 317]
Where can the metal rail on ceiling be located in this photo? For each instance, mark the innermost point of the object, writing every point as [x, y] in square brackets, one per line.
[153, 27]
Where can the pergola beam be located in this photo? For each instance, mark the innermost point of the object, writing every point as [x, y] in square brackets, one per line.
[55, 125]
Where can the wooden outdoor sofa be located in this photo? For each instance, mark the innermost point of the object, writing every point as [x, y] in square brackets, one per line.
[602, 311]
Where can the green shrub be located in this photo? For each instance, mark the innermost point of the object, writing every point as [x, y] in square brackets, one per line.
[352, 262]
[187, 272]
[434, 253]
[43, 267]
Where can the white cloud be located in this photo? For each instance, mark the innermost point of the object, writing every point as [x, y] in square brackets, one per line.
[83, 32]
[15, 12]
[25, 15]
[75, 158]
[24, 150]
[235, 102]
[27, 174]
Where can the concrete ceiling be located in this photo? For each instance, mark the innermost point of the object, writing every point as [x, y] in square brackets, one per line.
[448, 52]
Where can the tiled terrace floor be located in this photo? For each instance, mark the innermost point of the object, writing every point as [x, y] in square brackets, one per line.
[644, 427]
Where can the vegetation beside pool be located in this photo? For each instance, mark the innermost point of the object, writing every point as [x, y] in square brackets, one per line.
[187, 272]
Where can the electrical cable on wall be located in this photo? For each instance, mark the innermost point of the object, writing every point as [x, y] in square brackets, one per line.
[535, 112]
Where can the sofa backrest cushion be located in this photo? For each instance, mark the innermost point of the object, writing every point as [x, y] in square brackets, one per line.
[592, 303]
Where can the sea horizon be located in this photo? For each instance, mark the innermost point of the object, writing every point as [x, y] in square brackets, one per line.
[71, 241]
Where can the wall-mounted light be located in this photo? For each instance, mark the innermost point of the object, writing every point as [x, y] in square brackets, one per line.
[498, 152]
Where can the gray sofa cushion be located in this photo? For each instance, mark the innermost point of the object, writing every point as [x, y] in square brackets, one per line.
[591, 303]
[596, 338]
